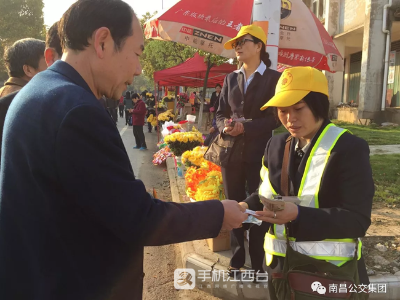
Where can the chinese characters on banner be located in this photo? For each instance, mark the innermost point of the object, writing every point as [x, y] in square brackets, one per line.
[292, 56]
[209, 19]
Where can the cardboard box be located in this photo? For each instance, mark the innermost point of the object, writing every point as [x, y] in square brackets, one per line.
[220, 243]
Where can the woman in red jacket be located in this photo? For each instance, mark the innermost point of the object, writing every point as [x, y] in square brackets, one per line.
[138, 114]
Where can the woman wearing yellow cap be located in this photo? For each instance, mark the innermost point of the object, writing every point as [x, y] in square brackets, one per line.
[243, 93]
[327, 170]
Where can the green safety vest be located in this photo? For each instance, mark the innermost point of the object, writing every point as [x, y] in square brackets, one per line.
[335, 251]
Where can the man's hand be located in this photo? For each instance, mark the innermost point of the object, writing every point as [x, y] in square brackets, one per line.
[234, 215]
[235, 130]
[282, 217]
[212, 129]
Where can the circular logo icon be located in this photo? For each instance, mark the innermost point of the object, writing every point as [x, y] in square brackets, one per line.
[286, 9]
[286, 80]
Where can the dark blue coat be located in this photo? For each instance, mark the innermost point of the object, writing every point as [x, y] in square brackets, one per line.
[73, 218]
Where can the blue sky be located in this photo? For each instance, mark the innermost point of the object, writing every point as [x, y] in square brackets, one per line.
[54, 9]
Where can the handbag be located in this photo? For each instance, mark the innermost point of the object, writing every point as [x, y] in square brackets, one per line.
[304, 277]
[225, 150]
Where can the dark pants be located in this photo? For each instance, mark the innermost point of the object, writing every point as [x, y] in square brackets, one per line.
[139, 136]
[236, 179]
[121, 111]
[149, 126]
[127, 116]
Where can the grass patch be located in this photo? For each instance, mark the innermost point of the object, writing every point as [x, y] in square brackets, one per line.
[373, 134]
[386, 174]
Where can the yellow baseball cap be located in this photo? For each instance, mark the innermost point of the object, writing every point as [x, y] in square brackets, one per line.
[295, 83]
[253, 30]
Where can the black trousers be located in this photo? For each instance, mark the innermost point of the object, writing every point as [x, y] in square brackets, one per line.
[139, 136]
[121, 111]
[237, 179]
[149, 126]
[127, 115]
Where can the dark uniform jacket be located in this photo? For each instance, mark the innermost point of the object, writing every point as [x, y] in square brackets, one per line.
[234, 101]
[345, 195]
[73, 218]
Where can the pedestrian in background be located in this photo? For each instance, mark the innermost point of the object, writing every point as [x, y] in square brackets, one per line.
[128, 106]
[138, 114]
[121, 106]
[214, 101]
[53, 50]
[23, 60]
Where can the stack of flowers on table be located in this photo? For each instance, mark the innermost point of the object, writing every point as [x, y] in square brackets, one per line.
[166, 116]
[203, 178]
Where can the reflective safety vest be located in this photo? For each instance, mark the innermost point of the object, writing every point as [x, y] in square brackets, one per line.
[335, 251]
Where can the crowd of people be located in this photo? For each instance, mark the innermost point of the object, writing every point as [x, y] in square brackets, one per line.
[74, 219]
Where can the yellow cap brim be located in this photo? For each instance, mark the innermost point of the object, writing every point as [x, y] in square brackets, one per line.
[228, 44]
[285, 99]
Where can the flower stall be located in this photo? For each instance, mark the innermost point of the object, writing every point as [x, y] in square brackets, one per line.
[203, 181]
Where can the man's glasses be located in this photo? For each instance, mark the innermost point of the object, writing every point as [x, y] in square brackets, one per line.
[240, 43]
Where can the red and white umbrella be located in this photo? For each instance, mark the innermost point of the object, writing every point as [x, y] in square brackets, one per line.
[205, 24]
[304, 40]
[208, 24]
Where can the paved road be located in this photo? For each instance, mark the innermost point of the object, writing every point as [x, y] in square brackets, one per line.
[159, 262]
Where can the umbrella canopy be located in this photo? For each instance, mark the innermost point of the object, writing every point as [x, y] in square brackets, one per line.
[205, 24]
[208, 24]
[304, 40]
[192, 73]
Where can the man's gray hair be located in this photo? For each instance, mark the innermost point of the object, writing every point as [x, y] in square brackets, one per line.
[23, 52]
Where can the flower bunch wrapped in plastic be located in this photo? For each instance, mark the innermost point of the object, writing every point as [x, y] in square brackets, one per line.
[166, 116]
[161, 156]
[180, 142]
[193, 177]
[175, 128]
[211, 187]
[195, 157]
[204, 183]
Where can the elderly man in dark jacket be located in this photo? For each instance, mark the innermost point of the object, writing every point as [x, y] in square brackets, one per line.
[74, 220]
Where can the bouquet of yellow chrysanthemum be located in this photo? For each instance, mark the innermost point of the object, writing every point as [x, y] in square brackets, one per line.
[166, 116]
[195, 157]
[180, 142]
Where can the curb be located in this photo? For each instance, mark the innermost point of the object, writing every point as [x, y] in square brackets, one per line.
[245, 290]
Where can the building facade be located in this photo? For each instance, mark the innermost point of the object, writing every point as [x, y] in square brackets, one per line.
[357, 30]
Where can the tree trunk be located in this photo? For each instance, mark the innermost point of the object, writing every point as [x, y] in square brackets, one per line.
[209, 66]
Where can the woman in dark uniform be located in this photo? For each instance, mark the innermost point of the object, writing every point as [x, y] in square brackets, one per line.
[328, 169]
[243, 93]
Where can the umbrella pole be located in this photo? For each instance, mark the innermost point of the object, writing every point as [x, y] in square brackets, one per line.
[157, 87]
[265, 10]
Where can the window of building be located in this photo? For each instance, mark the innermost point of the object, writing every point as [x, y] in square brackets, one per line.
[317, 7]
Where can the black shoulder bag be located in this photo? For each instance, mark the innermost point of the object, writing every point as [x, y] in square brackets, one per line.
[225, 150]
